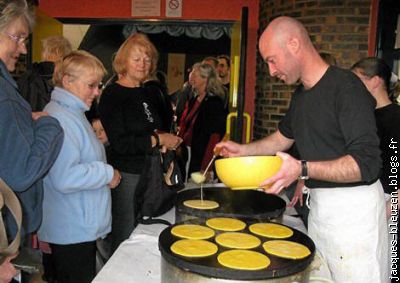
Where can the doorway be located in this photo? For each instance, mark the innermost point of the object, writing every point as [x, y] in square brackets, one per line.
[180, 43]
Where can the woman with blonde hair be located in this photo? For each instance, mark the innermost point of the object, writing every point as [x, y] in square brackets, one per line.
[35, 85]
[77, 200]
[130, 118]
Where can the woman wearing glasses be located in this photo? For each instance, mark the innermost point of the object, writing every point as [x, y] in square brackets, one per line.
[29, 142]
[77, 200]
[129, 116]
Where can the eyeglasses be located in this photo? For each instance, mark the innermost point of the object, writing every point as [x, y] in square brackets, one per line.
[100, 86]
[19, 39]
[91, 86]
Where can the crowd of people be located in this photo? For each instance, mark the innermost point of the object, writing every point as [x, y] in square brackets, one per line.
[76, 178]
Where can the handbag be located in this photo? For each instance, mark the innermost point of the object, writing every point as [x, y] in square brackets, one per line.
[153, 196]
[8, 199]
[172, 173]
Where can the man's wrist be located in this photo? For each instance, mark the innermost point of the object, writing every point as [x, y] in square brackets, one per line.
[304, 170]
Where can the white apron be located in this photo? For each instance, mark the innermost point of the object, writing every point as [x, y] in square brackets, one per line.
[349, 228]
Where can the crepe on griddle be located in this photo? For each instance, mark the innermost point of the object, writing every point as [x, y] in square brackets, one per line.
[286, 249]
[192, 231]
[226, 224]
[271, 230]
[243, 260]
[201, 204]
[194, 248]
[237, 240]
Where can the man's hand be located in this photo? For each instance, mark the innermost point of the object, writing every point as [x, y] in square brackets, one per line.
[229, 149]
[289, 172]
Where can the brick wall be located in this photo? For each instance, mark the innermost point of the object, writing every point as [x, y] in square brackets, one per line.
[339, 27]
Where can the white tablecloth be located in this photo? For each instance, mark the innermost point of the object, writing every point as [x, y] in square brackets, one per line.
[138, 259]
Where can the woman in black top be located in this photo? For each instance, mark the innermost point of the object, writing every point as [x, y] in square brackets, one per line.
[202, 124]
[130, 119]
[375, 74]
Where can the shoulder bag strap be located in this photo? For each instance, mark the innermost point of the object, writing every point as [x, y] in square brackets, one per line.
[8, 198]
[151, 220]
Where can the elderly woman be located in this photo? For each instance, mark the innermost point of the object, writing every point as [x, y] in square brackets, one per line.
[202, 124]
[35, 85]
[29, 141]
[77, 200]
[130, 119]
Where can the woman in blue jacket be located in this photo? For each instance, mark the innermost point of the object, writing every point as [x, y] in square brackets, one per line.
[77, 201]
[29, 142]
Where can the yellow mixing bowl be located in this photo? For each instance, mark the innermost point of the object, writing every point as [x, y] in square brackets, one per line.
[247, 172]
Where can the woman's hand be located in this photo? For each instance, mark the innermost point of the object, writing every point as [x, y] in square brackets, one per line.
[7, 269]
[37, 115]
[169, 141]
[115, 180]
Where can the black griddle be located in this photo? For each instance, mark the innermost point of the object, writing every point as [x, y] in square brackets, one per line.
[244, 204]
[210, 267]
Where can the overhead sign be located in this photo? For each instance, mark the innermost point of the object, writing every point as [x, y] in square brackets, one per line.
[173, 8]
[146, 8]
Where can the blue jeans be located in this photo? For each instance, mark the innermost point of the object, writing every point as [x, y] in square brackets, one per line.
[123, 209]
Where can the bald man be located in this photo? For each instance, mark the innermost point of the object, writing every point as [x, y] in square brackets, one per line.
[331, 119]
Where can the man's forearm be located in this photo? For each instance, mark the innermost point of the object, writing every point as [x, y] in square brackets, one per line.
[269, 145]
[342, 170]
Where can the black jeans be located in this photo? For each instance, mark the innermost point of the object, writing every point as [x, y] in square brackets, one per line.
[75, 263]
[123, 209]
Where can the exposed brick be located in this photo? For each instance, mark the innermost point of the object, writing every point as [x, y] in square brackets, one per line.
[330, 3]
[339, 27]
[352, 38]
[328, 37]
[279, 102]
[330, 20]
[357, 20]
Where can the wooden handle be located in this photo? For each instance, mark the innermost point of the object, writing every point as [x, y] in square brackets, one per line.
[218, 150]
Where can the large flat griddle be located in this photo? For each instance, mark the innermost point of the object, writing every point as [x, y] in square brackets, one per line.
[210, 267]
[244, 204]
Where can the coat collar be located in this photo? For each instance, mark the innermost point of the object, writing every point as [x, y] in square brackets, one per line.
[4, 73]
[67, 99]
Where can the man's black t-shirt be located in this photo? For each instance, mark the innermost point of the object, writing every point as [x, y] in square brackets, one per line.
[333, 119]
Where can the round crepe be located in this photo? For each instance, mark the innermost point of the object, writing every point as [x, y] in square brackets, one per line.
[243, 260]
[192, 231]
[226, 224]
[271, 230]
[237, 240]
[194, 248]
[201, 204]
[286, 249]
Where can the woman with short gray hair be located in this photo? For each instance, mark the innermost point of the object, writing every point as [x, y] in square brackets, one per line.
[29, 142]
